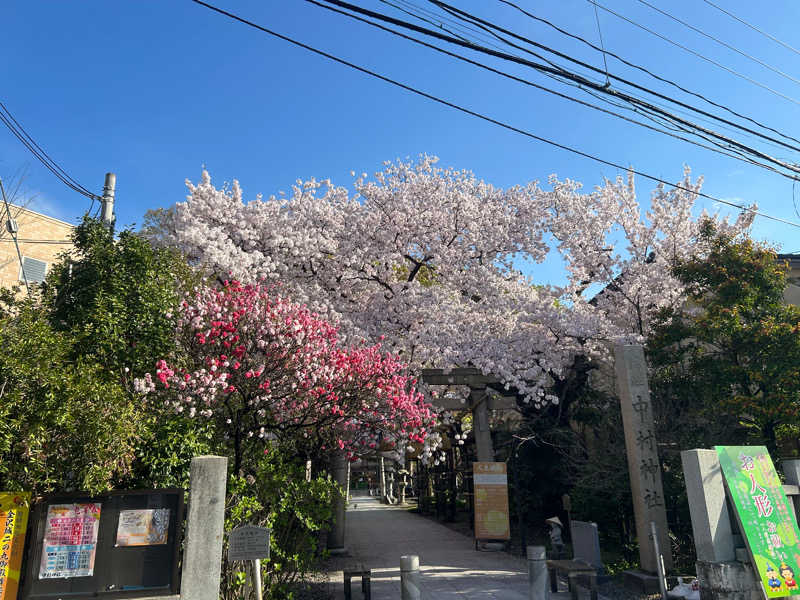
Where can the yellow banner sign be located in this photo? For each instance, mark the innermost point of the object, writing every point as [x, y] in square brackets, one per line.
[490, 483]
[14, 507]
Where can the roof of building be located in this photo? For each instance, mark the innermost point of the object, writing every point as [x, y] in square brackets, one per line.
[42, 215]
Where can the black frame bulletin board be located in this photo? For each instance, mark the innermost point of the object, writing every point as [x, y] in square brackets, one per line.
[119, 571]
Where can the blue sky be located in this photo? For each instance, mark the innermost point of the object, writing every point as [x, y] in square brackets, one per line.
[155, 90]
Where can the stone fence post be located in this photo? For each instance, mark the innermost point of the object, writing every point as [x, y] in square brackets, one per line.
[720, 574]
[205, 526]
[339, 470]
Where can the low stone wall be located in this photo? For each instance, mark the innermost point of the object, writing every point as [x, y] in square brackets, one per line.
[730, 580]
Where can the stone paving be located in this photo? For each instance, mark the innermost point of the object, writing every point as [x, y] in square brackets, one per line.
[377, 535]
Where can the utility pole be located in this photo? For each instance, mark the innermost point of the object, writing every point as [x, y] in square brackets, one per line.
[11, 226]
[107, 201]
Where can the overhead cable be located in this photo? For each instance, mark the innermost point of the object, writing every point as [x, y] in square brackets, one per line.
[721, 149]
[562, 73]
[483, 117]
[434, 18]
[721, 42]
[487, 25]
[645, 70]
[602, 46]
[753, 27]
[697, 54]
[39, 153]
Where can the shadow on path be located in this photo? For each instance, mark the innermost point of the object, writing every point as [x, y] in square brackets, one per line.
[377, 536]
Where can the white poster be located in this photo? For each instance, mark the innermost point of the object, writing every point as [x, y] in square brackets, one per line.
[146, 527]
[70, 540]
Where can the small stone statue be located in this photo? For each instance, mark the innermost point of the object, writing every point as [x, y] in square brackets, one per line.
[555, 536]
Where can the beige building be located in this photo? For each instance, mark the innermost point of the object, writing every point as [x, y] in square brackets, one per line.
[792, 293]
[41, 240]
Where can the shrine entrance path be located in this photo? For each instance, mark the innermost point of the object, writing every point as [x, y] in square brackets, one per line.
[377, 535]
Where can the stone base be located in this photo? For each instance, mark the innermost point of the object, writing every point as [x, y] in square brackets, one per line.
[641, 582]
[731, 580]
[337, 551]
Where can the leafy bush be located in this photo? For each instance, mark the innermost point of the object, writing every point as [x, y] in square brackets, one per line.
[297, 511]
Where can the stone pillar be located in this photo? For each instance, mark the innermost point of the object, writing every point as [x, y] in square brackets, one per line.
[711, 520]
[336, 535]
[205, 526]
[643, 464]
[480, 425]
[410, 588]
[537, 573]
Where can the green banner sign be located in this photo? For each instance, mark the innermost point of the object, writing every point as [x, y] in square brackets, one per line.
[766, 517]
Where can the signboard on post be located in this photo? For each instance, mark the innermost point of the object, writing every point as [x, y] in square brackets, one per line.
[490, 482]
[248, 542]
[767, 522]
[14, 508]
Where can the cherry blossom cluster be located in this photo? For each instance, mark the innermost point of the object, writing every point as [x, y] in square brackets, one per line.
[429, 258]
[264, 366]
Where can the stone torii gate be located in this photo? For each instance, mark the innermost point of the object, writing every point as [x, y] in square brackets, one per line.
[481, 401]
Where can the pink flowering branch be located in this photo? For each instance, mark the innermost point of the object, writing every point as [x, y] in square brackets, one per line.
[263, 366]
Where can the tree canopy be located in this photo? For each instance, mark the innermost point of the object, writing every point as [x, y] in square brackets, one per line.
[733, 345]
[428, 257]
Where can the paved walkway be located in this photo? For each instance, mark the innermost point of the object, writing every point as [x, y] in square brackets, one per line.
[377, 535]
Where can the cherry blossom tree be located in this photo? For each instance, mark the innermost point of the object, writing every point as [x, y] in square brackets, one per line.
[429, 257]
[607, 242]
[263, 366]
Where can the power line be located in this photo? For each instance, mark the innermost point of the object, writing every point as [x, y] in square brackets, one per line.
[41, 155]
[556, 70]
[424, 19]
[651, 110]
[482, 116]
[488, 40]
[725, 150]
[488, 25]
[721, 42]
[602, 48]
[753, 27]
[697, 54]
[645, 70]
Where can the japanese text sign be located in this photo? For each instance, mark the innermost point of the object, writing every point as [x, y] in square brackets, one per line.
[766, 517]
[491, 501]
[70, 540]
[248, 542]
[14, 508]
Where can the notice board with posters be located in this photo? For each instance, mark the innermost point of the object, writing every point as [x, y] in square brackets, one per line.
[765, 517]
[13, 523]
[117, 545]
[490, 485]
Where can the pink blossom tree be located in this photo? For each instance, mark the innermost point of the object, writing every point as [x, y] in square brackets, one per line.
[264, 367]
[429, 257]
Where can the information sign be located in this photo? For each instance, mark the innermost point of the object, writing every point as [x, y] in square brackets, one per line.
[248, 542]
[145, 527]
[490, 483]
[765, 516]
[14, 507]
[70, 540]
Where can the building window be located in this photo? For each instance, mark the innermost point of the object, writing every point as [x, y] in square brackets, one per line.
[35, 270]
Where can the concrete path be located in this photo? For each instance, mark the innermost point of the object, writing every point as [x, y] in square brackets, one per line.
[377, 535]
